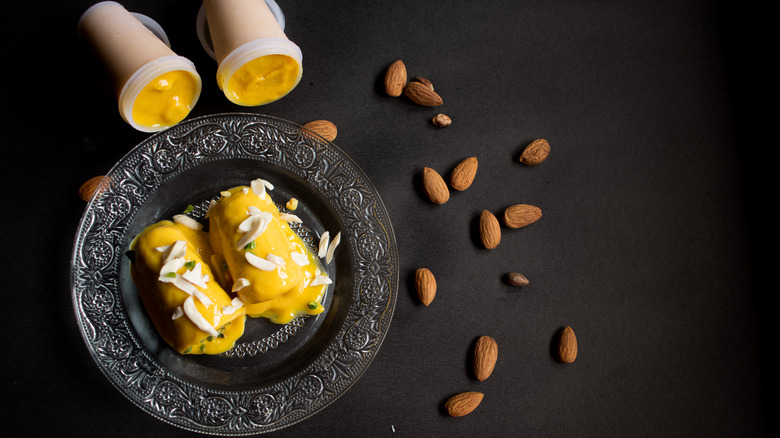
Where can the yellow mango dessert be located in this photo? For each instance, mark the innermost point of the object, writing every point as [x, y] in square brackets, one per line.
[198, 287]
[262, 80]
[166, 100]
[189, 309]
[273, 271]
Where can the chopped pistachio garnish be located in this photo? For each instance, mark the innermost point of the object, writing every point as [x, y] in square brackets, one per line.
[250, 245]
[190, 264]
[189, 209]
[313, 305]
[171, 275]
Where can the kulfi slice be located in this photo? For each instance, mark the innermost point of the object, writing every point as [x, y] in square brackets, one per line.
[272, 271]
[187, 306]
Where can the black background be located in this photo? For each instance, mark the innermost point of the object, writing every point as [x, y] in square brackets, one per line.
[649, 244]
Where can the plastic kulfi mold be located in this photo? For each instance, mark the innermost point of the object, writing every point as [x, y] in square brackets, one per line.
[257, 63]
[155, 88]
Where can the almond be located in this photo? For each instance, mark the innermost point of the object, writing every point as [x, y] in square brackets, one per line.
[425, 283]
[435, 187]
[422, 94]
[324, 128]
[463, 174]
[485, 356]
[521, 215]
[489, 230]
[567, 346]
[93, 186]
[463, 404]
[395, 78]
[516, 279]
[424, 81]
[441, 120]
[536, 152]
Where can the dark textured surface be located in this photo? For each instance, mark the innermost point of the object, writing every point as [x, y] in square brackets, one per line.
[648, 246]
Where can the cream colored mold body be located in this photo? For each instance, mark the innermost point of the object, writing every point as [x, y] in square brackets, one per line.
[120, 41]
[233, 23]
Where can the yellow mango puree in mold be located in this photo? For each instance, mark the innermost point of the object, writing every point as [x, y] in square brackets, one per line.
[166, 100]
[281, 294]
[263, 80]
[162, 299]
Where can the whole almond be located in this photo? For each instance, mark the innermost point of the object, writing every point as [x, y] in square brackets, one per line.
[435, 187]
[463, 174]
[463, 404]
[567, 346]
[521, 215]
[536, 152]
[489, 230]
[324, 128]
[425, 283]
[422, 94]
[485, 356]
[516, 279]
[441, 120]
[424, 81]
[92, 186]
[395, 78]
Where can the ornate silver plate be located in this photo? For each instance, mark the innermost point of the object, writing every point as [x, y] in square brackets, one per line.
[277, 375]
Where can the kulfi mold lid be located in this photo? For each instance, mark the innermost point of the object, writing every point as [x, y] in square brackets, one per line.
[202, 28]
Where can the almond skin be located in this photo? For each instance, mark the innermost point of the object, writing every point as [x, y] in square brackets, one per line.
[441, 120]
[324, 128]
[463, 174]
[395, 78]
[516, 279]
[567, 346]
[435, 187]
[536, 152]
[521, 215]
[485, 357]
[463, 404]
[424, 81]
[489, 230]
[425, 283]
[92, 186]
[422, 94]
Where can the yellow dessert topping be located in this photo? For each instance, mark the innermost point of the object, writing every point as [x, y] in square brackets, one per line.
[166, 100]
[190, 310]
[263, 80]
[183, 273]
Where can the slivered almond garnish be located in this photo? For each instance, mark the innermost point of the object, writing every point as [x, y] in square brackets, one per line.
[259, 186]
[195, 276]
[184, 285]
[178, 313]
[287, 217]
[171, 266]
[275, 259]
[259, 262]
[240, 284]
[258, 228]
[177, 250]
[253, 210]
[234, 305]
[163, 248]
[299, 258]
[320, 280]
[323, 248]
[225, 194]
[245, 190]
[192, 313]
[203, 298]
[332, 247]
